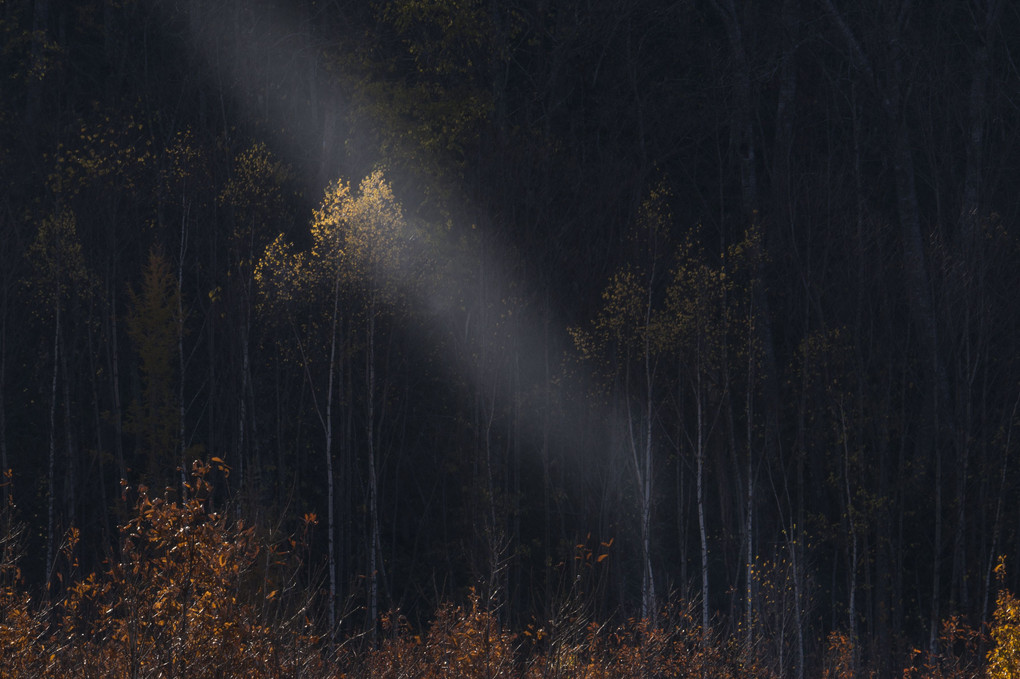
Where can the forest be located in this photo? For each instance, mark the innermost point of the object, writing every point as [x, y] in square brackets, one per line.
[509, 338]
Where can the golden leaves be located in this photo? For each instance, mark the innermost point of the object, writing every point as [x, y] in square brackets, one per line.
[106, 154]
[182, 159]
[255, 193]
[359, 246]
[699, 312]
[1004, 658]
[56, 258]
[359, 236]
[257, 179]
[183, 600]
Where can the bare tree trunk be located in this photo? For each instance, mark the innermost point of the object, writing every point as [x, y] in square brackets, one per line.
[328, 426]
[917, 282]
[783, 197]
[699, 455]
[185, 208]
[647, 577]
[970, 285]
[71, 463]
[852, 528]
[681, 481]
[976, 116]
[113, 358]
[51, 467]
[97, 423]
[997, 524]
[936, 586]
[5, 498]
[641, 460]
[242, 408]
[326, 421]
[373, 490]
[749, 508]
[213, 399]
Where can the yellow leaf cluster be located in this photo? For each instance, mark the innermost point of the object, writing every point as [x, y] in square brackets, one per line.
[1004, 658]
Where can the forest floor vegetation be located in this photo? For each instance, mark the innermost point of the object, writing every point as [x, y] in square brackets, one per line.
[194, 593]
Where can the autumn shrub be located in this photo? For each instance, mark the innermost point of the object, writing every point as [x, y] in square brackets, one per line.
[21, 622]
[462, 642]
[840, 660]
[957, 654]
[468, 641]
[189, 596]
[673, 644]
[1004, 658]
[176, 606]
[400, 654]
[194, 593]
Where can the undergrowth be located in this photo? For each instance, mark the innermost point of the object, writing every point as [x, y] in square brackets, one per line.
[192, 593]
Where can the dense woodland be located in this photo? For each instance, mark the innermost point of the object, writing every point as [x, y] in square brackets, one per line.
[562, 312]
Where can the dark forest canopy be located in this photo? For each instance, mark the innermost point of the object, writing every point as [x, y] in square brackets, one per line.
[724, 290]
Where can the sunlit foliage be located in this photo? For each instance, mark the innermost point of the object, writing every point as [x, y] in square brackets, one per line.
[359, 244]
[1004, 659]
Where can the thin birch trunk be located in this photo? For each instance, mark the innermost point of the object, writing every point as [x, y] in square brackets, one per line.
[3, 393]
[70, 468]
[185, 206]
[326, 421]
[51, 467]
[328, 427]
[700, 458]
[852, 527]
[749, 524]
[373, 513]
[97, 422]
[242, 407]
[114, 361]
[681, 482]
[648, 579]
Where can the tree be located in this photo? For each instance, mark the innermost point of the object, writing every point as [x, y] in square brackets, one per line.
[374, 233]
[153, 325]
[59, 275]
[627, 340]
[254, 195]
[884, 73]
[8, 282]
[697, 324]
[357, 256]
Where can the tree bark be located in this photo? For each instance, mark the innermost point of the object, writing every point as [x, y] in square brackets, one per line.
[52, 460]
[373, 486]
[700, 461]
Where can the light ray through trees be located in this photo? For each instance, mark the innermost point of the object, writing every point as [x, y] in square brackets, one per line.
[274, 56]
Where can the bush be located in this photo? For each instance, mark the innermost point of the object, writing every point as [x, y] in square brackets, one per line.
[1004, 658]
[185, 599]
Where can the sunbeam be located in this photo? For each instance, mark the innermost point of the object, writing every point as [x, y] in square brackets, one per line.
[503, 329]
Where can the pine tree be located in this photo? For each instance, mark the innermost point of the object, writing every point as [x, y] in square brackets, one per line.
[154, 417]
